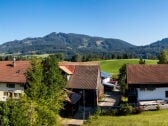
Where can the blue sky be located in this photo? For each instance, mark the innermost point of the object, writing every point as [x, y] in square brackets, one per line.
[139, 22]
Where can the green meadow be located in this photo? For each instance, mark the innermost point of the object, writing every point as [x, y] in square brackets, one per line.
[147, 118]
[113, 66]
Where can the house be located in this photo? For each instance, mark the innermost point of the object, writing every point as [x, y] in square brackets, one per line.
[84, 78]
[147, 82]
[12, 78]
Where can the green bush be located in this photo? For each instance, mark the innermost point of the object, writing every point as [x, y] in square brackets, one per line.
[98, 112]
[124, 99]
[137, 110]
[125, 109]
[112, 112]
[157, 107]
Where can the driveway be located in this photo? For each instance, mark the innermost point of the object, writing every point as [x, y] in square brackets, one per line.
[111, 98]
[78, 118]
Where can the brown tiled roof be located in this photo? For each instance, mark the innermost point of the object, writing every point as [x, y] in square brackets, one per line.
[84, 77]
[147, 74]
[13, 74]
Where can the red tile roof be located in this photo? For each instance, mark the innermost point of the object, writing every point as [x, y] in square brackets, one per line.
[13, 74]
[147, 74]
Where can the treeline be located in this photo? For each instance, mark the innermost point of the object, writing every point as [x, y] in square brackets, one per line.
[10, 57]
[57, 56]
[77, 57]
[93, 57]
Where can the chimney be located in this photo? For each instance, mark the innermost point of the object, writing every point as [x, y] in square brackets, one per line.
[14, 61]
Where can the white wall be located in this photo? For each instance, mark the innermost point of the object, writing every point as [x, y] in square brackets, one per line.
[106, 80]
[4, 88]
[68, 77]
[158, 93]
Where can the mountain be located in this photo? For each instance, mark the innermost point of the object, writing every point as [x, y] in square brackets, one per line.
[61, 42]
[150, 51]
[71, 43]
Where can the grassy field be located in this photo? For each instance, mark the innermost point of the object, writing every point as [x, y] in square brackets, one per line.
[113, 66]
[148, 118]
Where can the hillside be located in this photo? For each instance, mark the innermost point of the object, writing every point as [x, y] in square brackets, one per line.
[67, 43]
[150, 51]
[113, 66]
[71, 43]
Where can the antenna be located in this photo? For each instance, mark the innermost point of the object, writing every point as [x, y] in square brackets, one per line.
[14, 61]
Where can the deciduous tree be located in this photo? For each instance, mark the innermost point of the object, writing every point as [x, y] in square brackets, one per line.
[163, 57]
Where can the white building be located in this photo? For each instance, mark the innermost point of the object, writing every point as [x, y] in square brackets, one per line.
[147, 82]
[12, 78]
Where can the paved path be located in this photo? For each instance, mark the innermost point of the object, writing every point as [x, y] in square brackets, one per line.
[78, 118]
[72, 122]
[111, 99]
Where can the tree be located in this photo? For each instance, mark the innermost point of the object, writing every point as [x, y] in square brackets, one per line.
[58, 56]
[141, 61]
[76, 58]
[122, 79]
[35, 88]
[163, 57]
[54, 82]
[45, 87]
[20, 112]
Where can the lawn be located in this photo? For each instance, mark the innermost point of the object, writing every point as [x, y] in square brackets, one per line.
[113, 66]
[148, 118]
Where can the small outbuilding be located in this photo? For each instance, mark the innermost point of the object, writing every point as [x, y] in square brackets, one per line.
[84, 78]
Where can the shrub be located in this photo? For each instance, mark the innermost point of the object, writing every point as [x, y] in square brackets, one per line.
[138, 110]
[112, 112]
[124, 99]
[98, 112]
[157, 107]
[125, 109]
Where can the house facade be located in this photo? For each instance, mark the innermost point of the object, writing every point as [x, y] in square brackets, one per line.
[147, 82]
[84, 78]
[12, 78]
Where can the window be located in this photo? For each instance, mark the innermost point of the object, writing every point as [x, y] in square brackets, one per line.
[21, 85]
[10, 85]
[147, 88]
[142, 89]
[16, 95]
[166, 94]
[5, 93]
